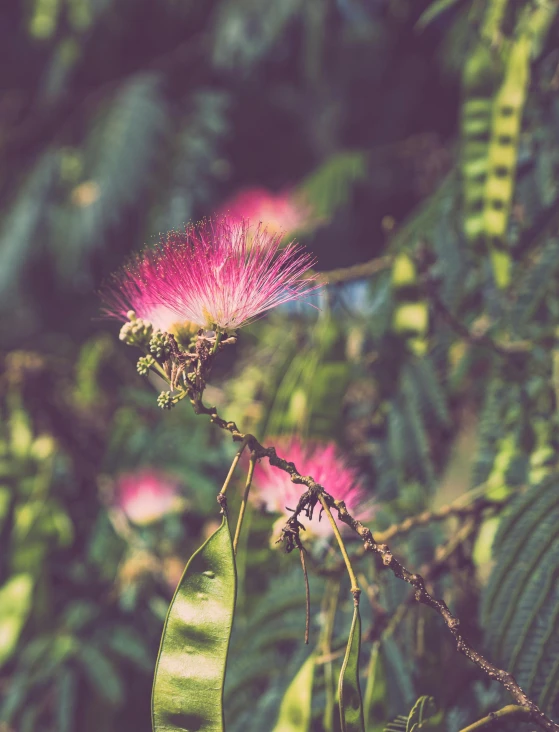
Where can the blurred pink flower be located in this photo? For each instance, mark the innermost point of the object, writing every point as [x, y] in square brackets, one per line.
[146, 496]
[219, 273]
[273, 488]
[282, 213]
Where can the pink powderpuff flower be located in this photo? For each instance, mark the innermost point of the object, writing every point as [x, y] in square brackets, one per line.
[282, 213]
[273, 488]
[216, 274]
[147, 496]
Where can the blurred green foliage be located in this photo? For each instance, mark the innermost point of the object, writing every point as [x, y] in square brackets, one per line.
[425, 131]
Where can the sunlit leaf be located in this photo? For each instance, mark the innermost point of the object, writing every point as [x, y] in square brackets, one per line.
[15, 605]
[190, 671]
[295, 709]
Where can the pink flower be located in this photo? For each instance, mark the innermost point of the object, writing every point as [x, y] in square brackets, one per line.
[218, 273]
[146, 496]
[273, 488]
[281, 213]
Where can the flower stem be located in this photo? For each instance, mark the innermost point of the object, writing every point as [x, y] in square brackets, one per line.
[353, 579]
[233, 466]
[158, 369]
[511, 710]
[242, 510]
[307, 595]
[218, 335]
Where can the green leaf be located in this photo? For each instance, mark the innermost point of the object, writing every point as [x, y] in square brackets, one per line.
[246, 31]
[493, 20]
[423, 715]
[537, 281]
[329, 187]
[520, 604]
[195, 153]
[190, 670]
[375, 699]
[435, 9]
[496, 80]
[351, 703]
[118, 157]
[481, 75]
[66, 697]
[101, 674]
[15, 605]
[411, 313]
[20, 225]
[398, 725]
[295, 709]
[503, 148]
[93, 354]
[128, 643]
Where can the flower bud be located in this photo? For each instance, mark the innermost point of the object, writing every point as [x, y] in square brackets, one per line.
[144, 365]
[136, 332]
[159, 346]
[165, 400]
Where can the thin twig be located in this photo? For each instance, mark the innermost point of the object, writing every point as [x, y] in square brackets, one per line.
[462, 646]
[445, 551]
[470, 502]
[232, 468]
[388, 624]
[332, 656]
[390, 562]
[244, 503]
[314, 494]
[512, 710]
[353, 579]
[357, 271]
[307, 595]
[503, 348]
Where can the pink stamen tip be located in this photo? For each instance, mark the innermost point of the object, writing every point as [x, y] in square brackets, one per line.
[273, 488]
[218, 273]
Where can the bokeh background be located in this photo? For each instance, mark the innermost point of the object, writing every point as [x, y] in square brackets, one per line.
[343, 123]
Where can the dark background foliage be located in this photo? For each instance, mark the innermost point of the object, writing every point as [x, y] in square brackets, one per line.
[121, 119]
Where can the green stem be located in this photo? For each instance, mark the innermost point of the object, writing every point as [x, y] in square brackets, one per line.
[233, 466]
[218, 335]
[353, 579]
[329, 606]
[512, 710]
[460, 506]
[159, 370]
[244, 502]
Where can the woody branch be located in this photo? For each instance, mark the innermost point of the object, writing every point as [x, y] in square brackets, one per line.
[314, 494]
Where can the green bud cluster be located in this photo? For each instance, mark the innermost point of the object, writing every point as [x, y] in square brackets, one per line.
[144, 365]
[159, 345]
[165, 400]
[136, 332]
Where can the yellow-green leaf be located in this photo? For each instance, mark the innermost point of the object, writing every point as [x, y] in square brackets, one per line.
[15, 605]
[349, 689]
[296, 706]
[190, 670]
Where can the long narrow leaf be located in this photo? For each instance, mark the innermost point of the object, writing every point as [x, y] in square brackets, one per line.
[296, 706]
[433, 11]
[190, 670]
[351, 703]
[503, 151]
